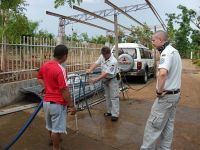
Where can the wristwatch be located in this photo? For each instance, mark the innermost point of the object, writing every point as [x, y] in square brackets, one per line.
[158, 93]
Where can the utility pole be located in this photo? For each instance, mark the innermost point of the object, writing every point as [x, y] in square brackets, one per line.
[116, 35]
[2, 40]
[61, 31]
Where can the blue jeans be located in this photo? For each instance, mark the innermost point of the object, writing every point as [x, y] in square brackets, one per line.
[55, 117]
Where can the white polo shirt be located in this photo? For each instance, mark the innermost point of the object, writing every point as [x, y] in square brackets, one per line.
[171, 61]
[109, 66]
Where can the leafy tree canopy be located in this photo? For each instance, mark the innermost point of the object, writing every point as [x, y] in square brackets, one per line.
[58, 3]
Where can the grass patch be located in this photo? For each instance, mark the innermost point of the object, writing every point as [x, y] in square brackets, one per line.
[196, 61]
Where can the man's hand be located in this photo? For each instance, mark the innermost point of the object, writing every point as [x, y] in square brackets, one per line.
[92, 81]
[160, 94]
[42, 92]
[72, 110]
[88, 71]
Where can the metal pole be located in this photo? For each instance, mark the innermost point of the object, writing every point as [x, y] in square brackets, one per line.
[61, 31]
[116, 35]
[74, 99]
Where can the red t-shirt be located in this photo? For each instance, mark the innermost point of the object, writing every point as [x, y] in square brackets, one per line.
[55, 79]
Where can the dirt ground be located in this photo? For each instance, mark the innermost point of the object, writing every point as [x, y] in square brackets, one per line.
[99, 133]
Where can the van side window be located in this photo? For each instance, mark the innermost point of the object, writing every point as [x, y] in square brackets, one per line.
[147, 54]
[151, 55]
[130, 51]
[142, 53]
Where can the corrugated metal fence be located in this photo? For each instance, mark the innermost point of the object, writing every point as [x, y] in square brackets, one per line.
[20, 61]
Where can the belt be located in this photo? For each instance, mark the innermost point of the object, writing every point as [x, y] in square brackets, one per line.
[52, 102]
[110, 78]
[172, 92]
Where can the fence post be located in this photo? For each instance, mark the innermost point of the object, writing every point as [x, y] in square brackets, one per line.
[191, 54]
[4, 58]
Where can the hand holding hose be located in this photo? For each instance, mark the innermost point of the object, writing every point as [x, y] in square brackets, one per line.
[93, 80]
[88, 71]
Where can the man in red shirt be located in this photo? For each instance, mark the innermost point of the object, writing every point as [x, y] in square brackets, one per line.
[53, 77]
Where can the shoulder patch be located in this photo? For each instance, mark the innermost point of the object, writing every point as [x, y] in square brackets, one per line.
[163, 55]
[112, 68]
[162, 60]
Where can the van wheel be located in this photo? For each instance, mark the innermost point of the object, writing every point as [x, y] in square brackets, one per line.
[145, 77]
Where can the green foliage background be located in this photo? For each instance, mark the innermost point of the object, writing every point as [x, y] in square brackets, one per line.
[14, 24]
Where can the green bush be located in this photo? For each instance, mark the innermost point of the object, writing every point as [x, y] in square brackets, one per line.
[198, 63]
[195, 61]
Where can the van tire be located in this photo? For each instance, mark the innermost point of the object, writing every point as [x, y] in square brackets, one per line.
[123, 66]
[145, 77]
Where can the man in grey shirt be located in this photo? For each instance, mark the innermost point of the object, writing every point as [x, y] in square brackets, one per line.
[160, 124]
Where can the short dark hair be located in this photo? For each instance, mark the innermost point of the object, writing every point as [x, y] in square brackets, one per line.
[60, 51]
[105, 50]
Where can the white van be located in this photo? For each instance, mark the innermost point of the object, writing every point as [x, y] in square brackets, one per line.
[135, 60]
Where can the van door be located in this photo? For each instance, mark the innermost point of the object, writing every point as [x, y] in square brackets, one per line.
[150, 61]
[143, 58]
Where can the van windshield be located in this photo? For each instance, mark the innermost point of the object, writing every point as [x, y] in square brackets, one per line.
[130, 51]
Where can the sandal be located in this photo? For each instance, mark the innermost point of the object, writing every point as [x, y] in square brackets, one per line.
[107, 114]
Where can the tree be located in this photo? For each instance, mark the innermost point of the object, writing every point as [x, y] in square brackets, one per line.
[13, 22]
[184, 31]
[9, 8]
[44, 34]
[13, 6]
[121, 36]
[185, 38]
[75, 37]
[196, 20]
[58, 3]
[171, 31]
[19, 25]
[129, 39]
[98, 39]
[110, 38]
[84, 37]
[142, 35]
[195, 44]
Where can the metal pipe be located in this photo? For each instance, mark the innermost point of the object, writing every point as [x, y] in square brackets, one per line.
[116, 36]
[156, 14]
[80, 21]
[98, 16]
[123, 12]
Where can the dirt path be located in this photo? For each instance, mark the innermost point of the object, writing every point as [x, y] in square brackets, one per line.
[190, 89]
[99, 133]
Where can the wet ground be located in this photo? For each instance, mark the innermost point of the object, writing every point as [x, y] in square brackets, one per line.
[99, 133]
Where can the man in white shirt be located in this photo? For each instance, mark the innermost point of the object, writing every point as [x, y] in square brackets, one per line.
[109, 70]
[160, 124]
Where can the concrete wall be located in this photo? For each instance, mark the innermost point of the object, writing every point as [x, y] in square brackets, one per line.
[9, 92]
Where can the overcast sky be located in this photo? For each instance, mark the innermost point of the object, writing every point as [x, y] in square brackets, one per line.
[36, 11]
